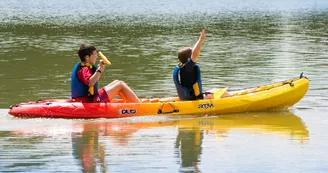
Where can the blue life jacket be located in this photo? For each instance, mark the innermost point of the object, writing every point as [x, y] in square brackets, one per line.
[188, 93]
[78, 88]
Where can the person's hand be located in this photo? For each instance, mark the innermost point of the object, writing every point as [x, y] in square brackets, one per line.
[202, 35]
[101, 65]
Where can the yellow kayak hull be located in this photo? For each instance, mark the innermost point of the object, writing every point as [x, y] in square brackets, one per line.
[275, 96]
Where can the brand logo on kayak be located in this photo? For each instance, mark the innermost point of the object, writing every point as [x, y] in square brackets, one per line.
[128, 111]
[205, 106]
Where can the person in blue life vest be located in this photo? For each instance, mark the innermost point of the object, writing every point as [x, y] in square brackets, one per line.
[186, 75]
[85, 76]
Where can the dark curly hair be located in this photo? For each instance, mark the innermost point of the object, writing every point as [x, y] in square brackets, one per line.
[85, 50]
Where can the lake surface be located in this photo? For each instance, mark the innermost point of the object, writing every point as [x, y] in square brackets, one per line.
[249, 43]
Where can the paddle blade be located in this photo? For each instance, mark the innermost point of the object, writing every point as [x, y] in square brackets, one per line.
[218, 93]
[105, 60]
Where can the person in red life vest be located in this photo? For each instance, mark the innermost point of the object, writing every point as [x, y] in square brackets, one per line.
[85, 76]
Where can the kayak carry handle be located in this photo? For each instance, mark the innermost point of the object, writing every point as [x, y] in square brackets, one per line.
[160, 111]
[301, 76]
[15, 105]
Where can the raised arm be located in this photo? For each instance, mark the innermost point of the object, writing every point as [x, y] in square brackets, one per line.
[198, 46]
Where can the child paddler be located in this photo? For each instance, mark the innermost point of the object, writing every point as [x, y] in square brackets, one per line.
[186, 75]
[85, 76]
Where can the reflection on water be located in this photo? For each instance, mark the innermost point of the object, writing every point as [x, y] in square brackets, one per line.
[92, 141]
[189, 144]
[88, 150]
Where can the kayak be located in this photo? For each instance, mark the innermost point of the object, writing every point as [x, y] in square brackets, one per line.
[279, 95]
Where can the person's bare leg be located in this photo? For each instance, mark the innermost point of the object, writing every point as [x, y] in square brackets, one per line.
[208, 96]
[128, 93]
[120, 93]
[122, 89]
[115, 81]
[226, 94]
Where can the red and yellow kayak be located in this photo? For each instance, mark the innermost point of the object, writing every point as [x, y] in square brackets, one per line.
[275, 96]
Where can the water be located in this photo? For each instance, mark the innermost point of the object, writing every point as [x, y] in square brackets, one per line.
[231, 143]
[249, 43]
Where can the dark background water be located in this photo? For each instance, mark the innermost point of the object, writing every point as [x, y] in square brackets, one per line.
[249, 43]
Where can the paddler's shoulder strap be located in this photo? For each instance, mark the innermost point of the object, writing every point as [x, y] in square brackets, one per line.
[198, 90]
[180, 65]
[86, 65]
